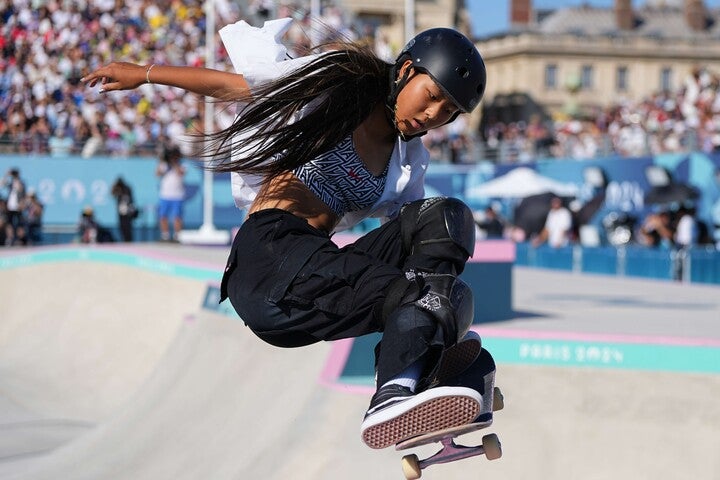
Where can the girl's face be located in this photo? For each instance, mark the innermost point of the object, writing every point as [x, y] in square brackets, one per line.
[421, 104]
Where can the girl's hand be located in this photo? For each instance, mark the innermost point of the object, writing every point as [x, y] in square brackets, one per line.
[117, 76]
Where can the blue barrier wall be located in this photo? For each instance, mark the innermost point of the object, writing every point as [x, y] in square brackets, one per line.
[704, 266]
[696, 265]
[603, 260]
[66, 185]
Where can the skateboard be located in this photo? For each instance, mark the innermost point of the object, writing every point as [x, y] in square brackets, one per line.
[480, 376]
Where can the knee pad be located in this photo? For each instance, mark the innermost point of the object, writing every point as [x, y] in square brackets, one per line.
[450, 301]
[447, 299]
[439, 227]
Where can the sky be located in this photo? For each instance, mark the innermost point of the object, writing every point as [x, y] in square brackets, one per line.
[491, 16]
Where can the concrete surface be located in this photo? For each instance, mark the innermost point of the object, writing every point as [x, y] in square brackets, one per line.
[112, 371]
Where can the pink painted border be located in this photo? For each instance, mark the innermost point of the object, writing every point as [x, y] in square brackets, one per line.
[334, 364]
[494, 251]
[176, 259]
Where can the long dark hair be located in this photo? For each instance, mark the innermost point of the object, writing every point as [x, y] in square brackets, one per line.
[335, 92]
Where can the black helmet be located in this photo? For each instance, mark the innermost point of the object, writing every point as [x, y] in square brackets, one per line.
[452, 61]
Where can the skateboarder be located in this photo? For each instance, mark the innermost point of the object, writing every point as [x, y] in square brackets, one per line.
[321, 143]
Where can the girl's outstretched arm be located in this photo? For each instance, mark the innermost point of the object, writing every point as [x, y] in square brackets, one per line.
[203, 81]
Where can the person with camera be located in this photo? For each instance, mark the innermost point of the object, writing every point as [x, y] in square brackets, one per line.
[14, 200]
[126, 209]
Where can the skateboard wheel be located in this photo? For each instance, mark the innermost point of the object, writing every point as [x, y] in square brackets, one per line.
[411, 467]
[498, 400]
[491, 445]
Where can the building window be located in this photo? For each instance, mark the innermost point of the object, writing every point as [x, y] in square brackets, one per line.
[586, 77]
[666, 79]
[551, 76]
[621, 80]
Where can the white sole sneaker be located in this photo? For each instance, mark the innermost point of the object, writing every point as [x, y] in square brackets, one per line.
[434, 409]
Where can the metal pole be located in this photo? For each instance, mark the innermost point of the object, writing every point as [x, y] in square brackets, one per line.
[315, 23]
[207, 234]
[209, 112]
[409, 20]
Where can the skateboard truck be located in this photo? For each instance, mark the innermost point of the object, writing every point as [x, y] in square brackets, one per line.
[450, 452]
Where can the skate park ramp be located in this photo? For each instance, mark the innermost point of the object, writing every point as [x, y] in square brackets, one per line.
[111, 367]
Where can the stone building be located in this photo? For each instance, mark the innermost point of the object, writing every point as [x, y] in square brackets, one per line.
[389, 16]
[578, 59]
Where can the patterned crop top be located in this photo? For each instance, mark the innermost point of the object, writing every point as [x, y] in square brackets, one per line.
[340, 179]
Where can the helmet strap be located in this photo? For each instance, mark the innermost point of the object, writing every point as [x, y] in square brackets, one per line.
[396, 85]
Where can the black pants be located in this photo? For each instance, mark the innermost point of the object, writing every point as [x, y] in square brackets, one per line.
[293, 286]
[126, 227]
[14, 222]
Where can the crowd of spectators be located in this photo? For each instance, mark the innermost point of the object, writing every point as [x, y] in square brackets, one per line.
[682, 120]
[49, 45]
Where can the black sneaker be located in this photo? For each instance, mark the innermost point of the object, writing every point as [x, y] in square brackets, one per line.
[453, 361]
[396, 414]
[480, 376]
[387, 396]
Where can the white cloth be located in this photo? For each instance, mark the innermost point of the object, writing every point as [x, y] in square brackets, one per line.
[259, 56]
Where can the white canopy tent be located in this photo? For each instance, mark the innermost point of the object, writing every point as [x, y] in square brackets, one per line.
[521, 182]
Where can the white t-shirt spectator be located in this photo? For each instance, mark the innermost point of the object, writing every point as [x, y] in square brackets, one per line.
[171, 182]
[686, 232]
[558, 225]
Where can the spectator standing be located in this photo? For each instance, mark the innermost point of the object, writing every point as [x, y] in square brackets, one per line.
[491, 224]
[685, 236]
[714, 230]
[3, 221]
[33, 212]
[16, 193]
[172, 193]
[126, 209]
[686, 231]
[657, 230]
[558, 225]
[60, 144]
